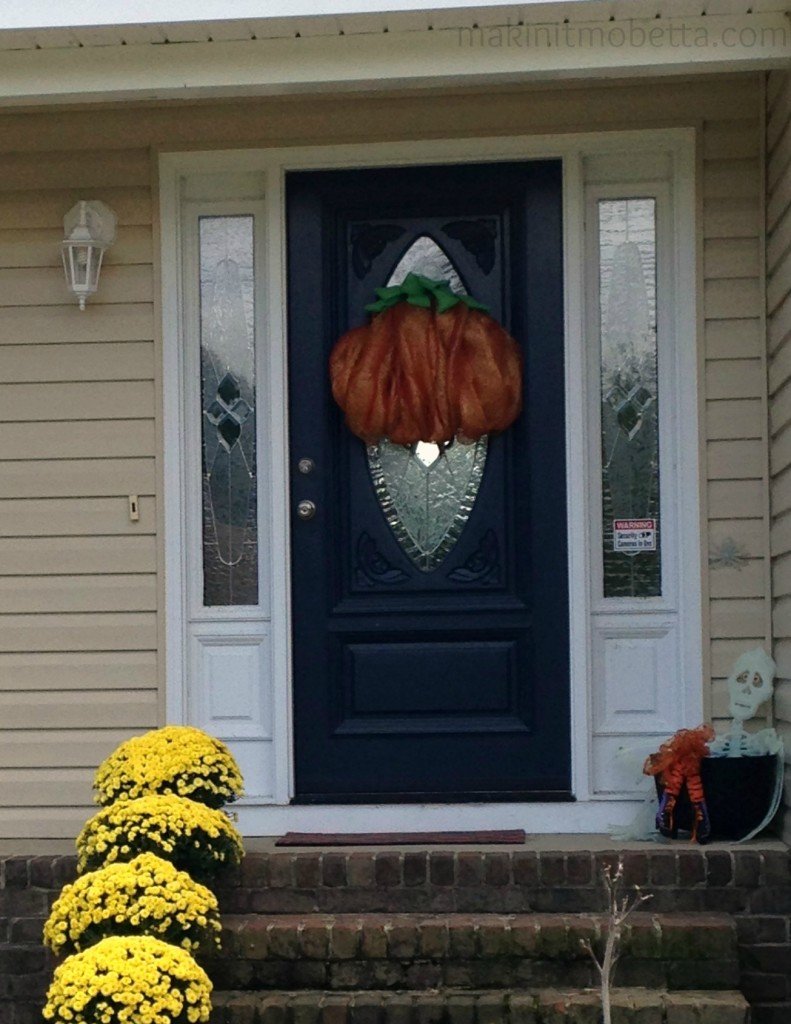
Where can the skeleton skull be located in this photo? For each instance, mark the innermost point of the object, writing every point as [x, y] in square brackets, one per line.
[750, 683]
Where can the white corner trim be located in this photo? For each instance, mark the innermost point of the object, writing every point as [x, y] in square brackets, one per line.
[257, 817]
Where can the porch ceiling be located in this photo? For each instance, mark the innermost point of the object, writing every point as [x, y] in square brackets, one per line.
[363, 45]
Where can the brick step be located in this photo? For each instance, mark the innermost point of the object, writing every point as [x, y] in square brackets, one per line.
[547, 1006]
[682, 877]
[412, 951]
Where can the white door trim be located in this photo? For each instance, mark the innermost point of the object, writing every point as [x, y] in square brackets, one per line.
[588, 814]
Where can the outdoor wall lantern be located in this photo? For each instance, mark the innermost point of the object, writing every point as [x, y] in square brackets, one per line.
[89, 227]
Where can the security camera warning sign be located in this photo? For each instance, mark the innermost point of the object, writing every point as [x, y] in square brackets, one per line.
[633, 536]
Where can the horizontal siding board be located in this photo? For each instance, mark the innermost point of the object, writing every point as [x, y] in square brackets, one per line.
[732, 299]
[735, 378]
[780, 452]
[69, 169]
[781, 492]
[128, 360]
[110, 709]
[68, 400]
[747, 534]
[746, 580]
[46, 286]
[781, 615]
[724, 653]
[82, 670]
[779, 369]
[779, 286]
[83, 593]
[132, 206]
[737, 617]
[731, 179]
[39, 787]
[734, 339]
[731, 257]
[735, 460]
[732, 140]
[781, 573]
[69, 555]
[113, 631]
[41, 823]
[779, 241]
[777, 200]
[79, 517]
[781, 527]
[62, 748]
[732, 218]
[40, 247]
[66, 325]
[737, 418]
[777, 121]
[100, 439]
[780, 408]
[736, 499]
[779, 328]
[77, 478]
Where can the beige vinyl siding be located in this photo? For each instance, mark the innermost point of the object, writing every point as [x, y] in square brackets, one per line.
[735, 393]
[778, 305]
[78, 580]
[80, 586]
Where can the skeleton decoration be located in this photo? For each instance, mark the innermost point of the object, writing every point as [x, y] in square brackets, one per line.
[749, 686]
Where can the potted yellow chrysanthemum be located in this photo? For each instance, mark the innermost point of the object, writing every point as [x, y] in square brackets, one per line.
[147, 896]
[129, 980]
[178, 759]
[193, 837]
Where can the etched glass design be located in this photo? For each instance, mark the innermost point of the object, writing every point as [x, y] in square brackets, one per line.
[227, 347]
[629, 393]
[427, 491]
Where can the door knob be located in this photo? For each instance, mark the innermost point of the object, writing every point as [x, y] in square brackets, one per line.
[306, 509]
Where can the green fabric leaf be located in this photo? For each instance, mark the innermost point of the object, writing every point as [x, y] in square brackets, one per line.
[421, 291]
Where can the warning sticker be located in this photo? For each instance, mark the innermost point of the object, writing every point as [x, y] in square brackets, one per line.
[631, 536]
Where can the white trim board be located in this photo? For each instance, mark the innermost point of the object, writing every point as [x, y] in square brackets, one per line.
[592, 812]
[458, 55]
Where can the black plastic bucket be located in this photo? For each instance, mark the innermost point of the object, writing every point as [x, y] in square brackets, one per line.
[740, 793]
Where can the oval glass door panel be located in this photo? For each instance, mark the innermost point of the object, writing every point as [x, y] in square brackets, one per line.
[427, 491]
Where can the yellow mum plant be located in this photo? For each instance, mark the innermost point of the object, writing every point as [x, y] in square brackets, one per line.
[136, 979]
[177, 759]
[147, 896]
[193, 837]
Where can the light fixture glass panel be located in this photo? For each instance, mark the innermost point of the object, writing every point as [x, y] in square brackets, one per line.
[427, 491]
[629, 398]
[227, 346]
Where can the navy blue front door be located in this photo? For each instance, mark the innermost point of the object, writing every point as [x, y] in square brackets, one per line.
[430, 608]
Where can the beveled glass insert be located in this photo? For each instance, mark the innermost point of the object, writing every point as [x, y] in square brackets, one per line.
[427, 491]
[629, 393]
[427, 505]
[227, 347]
[425, 257]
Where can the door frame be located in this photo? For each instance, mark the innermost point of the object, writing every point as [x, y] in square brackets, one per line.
[267, 813]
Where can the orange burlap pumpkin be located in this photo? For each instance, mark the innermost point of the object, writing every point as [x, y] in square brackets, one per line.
[415, 373]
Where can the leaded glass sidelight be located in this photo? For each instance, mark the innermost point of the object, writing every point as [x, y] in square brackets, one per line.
[227, 347]
[629, 398]
[427, 491]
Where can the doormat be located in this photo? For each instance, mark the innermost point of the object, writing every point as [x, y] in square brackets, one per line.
[499, 837]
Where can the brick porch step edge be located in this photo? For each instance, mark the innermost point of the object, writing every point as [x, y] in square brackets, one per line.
[472, 936]
[549, 1006]
[482, 951]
